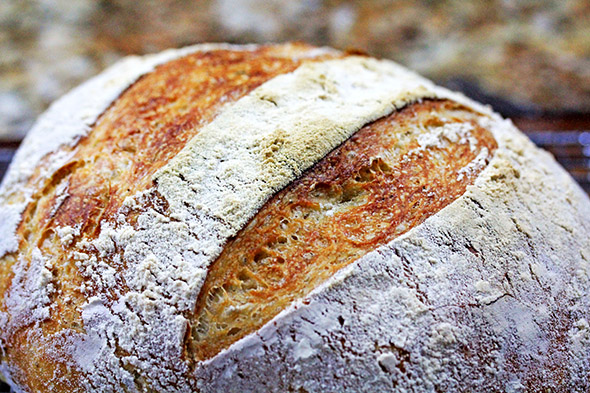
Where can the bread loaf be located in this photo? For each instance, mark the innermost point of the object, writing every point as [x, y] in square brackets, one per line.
[287, 218]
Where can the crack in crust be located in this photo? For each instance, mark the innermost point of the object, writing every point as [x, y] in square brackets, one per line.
[386, 179]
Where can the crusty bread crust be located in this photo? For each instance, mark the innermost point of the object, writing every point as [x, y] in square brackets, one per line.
[389, 177]
[488, 295]
[112, 234]
[138, 134]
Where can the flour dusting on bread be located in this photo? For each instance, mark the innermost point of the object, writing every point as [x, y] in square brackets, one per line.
[475, 284]
[224, 175]
[71, 118]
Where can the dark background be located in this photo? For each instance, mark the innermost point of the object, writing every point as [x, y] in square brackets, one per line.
[529, 59]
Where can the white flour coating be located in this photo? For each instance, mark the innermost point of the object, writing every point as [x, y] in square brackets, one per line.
[217, 183]
[479, 162]
[400, 318]
[28, 300]
[67, 120]
[442, 136]
[10, 216]
[66, 234]
[272, 135]
[396, 305]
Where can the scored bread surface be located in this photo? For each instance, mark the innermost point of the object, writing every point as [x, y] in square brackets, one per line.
[157, 252]
[389, 177]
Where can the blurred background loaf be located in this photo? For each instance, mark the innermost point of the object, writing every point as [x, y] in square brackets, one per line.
[529, 59]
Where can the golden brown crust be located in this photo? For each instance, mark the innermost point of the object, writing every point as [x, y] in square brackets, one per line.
[464, 297]
[148, 125]
[141, 131]
[376, 186]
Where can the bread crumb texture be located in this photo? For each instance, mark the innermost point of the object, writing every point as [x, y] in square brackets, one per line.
[142, 223]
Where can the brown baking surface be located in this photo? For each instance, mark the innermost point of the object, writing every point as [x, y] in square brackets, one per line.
[373, 188]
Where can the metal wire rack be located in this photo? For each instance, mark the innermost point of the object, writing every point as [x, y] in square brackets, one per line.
[571, 149]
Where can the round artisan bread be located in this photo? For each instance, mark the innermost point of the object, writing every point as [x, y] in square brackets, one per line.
[287, 218]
